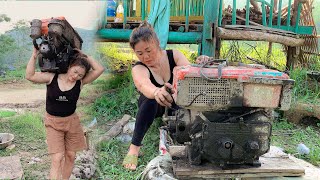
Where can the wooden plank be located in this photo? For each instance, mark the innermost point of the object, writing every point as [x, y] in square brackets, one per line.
[183, 18]
[172, 18]
[228, 34]
[270, 167]
[273, 164]
[262, 28]
[10, 167]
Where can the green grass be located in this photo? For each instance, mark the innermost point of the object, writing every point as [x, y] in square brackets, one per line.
[29, 140]
[4, 114]
[122, 100]
[16, 75]
[305, 89]
[111, 154]
[28, 130]
[287, 136]
[314, 63]
[28, 126]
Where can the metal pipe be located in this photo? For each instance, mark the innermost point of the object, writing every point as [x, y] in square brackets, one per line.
[187, 16]
[298, 17]
[279, 13]
[263, 9]
[125, 12]
[143, 10]
[123, 35]
[289, 15]
[221, 13]
[247, 12]
[234, 12]
[271, 13]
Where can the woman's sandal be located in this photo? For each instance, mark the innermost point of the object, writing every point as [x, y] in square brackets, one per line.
[131, 159]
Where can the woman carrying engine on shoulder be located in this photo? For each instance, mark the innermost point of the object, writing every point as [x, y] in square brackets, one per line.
[63, 129]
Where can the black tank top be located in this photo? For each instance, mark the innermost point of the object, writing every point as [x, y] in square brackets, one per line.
[61, 103]
[172, 64]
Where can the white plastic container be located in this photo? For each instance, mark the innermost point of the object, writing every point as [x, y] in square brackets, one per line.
[119, 13]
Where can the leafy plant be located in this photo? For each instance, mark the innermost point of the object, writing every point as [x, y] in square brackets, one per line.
[116, 55]
[239, 51]
[189, 51]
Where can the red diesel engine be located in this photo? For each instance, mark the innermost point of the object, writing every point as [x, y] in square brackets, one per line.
[225, 111]
[58, 39]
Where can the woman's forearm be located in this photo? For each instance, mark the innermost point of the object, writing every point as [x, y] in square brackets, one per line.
[30, 70]
[95, 65]
[148, 91]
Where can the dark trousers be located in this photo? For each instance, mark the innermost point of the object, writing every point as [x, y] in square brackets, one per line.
[149, 109]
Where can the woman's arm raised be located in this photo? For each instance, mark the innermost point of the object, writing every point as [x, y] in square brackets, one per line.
[94, 73]
[32, 75]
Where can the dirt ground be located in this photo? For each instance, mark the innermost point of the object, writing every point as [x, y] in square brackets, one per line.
[21, 95]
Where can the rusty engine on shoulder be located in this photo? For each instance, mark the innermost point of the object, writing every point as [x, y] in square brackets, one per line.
[58, 39]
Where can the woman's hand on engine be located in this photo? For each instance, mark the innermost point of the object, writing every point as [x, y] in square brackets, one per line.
[35, 53]
[163, 95]
[202, 59]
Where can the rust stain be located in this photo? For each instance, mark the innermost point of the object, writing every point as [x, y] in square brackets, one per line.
[261, 95]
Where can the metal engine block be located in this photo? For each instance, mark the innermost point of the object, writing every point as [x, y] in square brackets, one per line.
[58, 39]
[225, 111]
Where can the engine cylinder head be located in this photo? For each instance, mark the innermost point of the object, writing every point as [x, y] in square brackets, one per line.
[35, 30]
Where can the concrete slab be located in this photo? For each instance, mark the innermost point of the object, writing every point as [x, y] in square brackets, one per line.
[10, 168]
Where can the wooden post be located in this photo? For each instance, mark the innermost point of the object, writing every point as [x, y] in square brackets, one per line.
[269, 52]
[149, 6]
[218, 47]
[291, 57]
[138, 8]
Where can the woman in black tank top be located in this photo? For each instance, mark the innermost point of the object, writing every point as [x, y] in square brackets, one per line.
[63, 129]
[152, 76]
